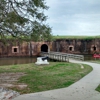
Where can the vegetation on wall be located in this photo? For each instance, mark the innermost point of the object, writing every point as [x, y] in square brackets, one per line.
[76, 37]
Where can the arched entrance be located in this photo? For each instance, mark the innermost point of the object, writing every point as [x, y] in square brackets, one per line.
[44, 48]
[71, 48]
[94, 48]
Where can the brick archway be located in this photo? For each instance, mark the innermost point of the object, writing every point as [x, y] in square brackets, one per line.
[44, 48]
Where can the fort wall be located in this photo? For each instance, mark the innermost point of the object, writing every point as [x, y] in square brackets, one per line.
[75, 46]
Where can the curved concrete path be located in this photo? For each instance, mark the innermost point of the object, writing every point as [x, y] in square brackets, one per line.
[84, 89]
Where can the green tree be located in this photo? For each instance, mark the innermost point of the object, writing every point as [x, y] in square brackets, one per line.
[24, 18]
[41, 33]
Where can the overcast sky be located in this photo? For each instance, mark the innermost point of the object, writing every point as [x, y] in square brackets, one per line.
[74, 17]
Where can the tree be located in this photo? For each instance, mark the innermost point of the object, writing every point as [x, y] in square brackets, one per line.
[22, 18]
[41, 33]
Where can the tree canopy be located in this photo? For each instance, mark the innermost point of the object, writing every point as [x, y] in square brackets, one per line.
[24, 18]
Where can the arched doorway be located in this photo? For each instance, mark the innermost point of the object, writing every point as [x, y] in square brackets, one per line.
[94, 48]
[44, 48]
[71, 48]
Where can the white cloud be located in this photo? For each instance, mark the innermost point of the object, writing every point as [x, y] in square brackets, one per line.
[74, 17]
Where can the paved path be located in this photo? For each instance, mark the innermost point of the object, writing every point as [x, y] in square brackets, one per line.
[81, 90]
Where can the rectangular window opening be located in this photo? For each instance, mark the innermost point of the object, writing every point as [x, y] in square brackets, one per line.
[15, 50]
[94, 48]
[70, 48]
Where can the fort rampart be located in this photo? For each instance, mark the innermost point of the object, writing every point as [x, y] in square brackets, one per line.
[76, 46]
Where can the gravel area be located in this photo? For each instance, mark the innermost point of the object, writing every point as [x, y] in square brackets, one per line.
[6, 94]
[9, 80]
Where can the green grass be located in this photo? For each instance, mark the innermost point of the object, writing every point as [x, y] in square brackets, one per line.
[54, 37]
[98, 88]
[47, 77]
[76, 37]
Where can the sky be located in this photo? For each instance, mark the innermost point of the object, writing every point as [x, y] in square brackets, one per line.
[74, 17]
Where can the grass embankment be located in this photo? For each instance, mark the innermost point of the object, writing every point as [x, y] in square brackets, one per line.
[76, 37]
[47, 77]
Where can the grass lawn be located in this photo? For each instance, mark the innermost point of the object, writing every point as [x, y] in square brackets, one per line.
[46, 77]
[98, 88]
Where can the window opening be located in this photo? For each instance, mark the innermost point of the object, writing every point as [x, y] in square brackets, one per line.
[15, 49]
[94, 48]
[70, 48]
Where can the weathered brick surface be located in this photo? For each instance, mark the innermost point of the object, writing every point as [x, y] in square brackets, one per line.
[79, 46]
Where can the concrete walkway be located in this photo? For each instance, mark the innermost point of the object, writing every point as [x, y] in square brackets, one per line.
[84, 89]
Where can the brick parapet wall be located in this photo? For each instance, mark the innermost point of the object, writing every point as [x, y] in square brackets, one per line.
[75, 46]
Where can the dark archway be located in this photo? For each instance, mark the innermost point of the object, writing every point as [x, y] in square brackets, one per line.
[94, 48]
[44, 48]
[70, 48]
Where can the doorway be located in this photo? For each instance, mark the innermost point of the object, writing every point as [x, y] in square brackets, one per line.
[44, 48]
[94, 48]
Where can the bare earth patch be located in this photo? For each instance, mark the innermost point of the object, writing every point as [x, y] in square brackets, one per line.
[9, 80]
